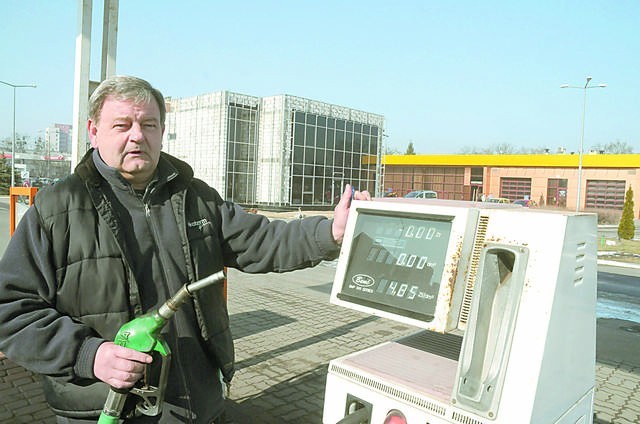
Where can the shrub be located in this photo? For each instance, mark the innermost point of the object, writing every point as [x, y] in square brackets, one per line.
[626, 227]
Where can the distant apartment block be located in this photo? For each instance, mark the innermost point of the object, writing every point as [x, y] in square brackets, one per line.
[58, 138]
[279, 150]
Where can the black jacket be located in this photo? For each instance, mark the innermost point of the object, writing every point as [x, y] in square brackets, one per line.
[67, 284]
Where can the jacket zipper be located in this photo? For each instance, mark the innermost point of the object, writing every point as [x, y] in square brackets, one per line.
[161, 253]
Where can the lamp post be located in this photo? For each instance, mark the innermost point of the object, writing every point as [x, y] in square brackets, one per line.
[13, 140]
[584, 110]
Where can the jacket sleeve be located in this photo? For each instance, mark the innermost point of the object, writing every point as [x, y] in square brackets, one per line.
[32, 332]
[254, 244]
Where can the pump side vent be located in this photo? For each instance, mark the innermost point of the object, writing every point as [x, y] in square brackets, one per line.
[395, 392]
[460, 418]
[581, 248]
[478, 244]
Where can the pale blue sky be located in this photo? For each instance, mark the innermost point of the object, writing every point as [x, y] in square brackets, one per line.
[447, 75]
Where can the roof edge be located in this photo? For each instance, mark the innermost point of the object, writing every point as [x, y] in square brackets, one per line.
[631, 160]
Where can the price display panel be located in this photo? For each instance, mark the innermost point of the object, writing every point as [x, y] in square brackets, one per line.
[396, 263]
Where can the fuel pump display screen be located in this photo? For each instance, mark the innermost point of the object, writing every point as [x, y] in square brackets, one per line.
[396, 263]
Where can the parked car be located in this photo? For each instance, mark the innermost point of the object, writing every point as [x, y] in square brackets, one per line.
[422, 194]
[498, 200]
[527, 203]
[41, 182]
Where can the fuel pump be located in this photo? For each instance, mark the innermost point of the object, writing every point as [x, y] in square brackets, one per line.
[503, 300]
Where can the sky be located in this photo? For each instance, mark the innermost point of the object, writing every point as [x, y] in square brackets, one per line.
[448, 76]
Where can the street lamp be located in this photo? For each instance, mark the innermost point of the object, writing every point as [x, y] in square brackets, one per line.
[13, 141]
[584, 110]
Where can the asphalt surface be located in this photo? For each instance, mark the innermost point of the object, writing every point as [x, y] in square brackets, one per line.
[286, 332]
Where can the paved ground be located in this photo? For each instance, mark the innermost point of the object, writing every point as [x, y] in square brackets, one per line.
[286, 333]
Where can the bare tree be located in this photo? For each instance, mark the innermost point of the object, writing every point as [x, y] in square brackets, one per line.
[500, 148]
[389, 150]
[618, 147]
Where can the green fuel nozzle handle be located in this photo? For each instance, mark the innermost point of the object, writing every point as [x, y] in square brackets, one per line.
[143, 334]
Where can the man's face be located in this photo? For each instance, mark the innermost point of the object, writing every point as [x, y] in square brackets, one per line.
[128, 137]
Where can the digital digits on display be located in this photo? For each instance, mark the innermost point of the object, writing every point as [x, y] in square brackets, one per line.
[397, 262]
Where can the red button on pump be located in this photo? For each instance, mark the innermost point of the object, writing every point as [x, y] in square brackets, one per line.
[395, 417]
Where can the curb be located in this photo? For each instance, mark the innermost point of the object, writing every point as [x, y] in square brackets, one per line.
[618, 264]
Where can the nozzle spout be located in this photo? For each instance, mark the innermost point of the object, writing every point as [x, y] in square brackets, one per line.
[213, 278]
[170, 307]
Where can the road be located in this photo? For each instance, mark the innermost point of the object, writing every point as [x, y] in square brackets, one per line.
[619, 284]
[4, 222]
[619, 294]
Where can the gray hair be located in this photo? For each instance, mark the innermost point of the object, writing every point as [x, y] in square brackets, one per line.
[123, 87]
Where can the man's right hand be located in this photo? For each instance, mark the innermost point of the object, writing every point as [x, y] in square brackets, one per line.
[118, 366]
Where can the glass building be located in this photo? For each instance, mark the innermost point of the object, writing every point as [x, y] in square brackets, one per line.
[217, 135]
[279, 151]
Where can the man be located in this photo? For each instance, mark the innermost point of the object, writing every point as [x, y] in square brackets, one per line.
[116, 239]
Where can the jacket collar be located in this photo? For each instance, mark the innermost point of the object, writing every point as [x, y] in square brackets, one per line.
[170, 169]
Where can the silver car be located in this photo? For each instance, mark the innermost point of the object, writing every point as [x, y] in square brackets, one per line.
[422, 194]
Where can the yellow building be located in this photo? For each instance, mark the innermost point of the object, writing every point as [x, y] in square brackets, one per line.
[548, 179]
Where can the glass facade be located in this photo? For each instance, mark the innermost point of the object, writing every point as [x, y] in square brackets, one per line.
[196, 132]
[328, 153]
[241, 153]
[276, 151]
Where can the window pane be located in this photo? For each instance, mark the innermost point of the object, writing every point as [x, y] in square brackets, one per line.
[331, 134]
[298, 134]
[339, 140]
[320, 137]
[311, 119]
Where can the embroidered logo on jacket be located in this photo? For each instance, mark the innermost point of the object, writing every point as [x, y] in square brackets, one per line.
[199, 224]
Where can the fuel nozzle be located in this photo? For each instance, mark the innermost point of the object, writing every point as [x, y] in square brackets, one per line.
[144, 335]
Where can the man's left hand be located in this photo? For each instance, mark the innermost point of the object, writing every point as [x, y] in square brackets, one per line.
[341, 212]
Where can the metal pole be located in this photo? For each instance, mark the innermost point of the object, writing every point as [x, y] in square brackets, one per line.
[581, 152]
[13, 140]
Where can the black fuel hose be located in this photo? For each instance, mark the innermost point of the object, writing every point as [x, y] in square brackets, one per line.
[360, 416]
